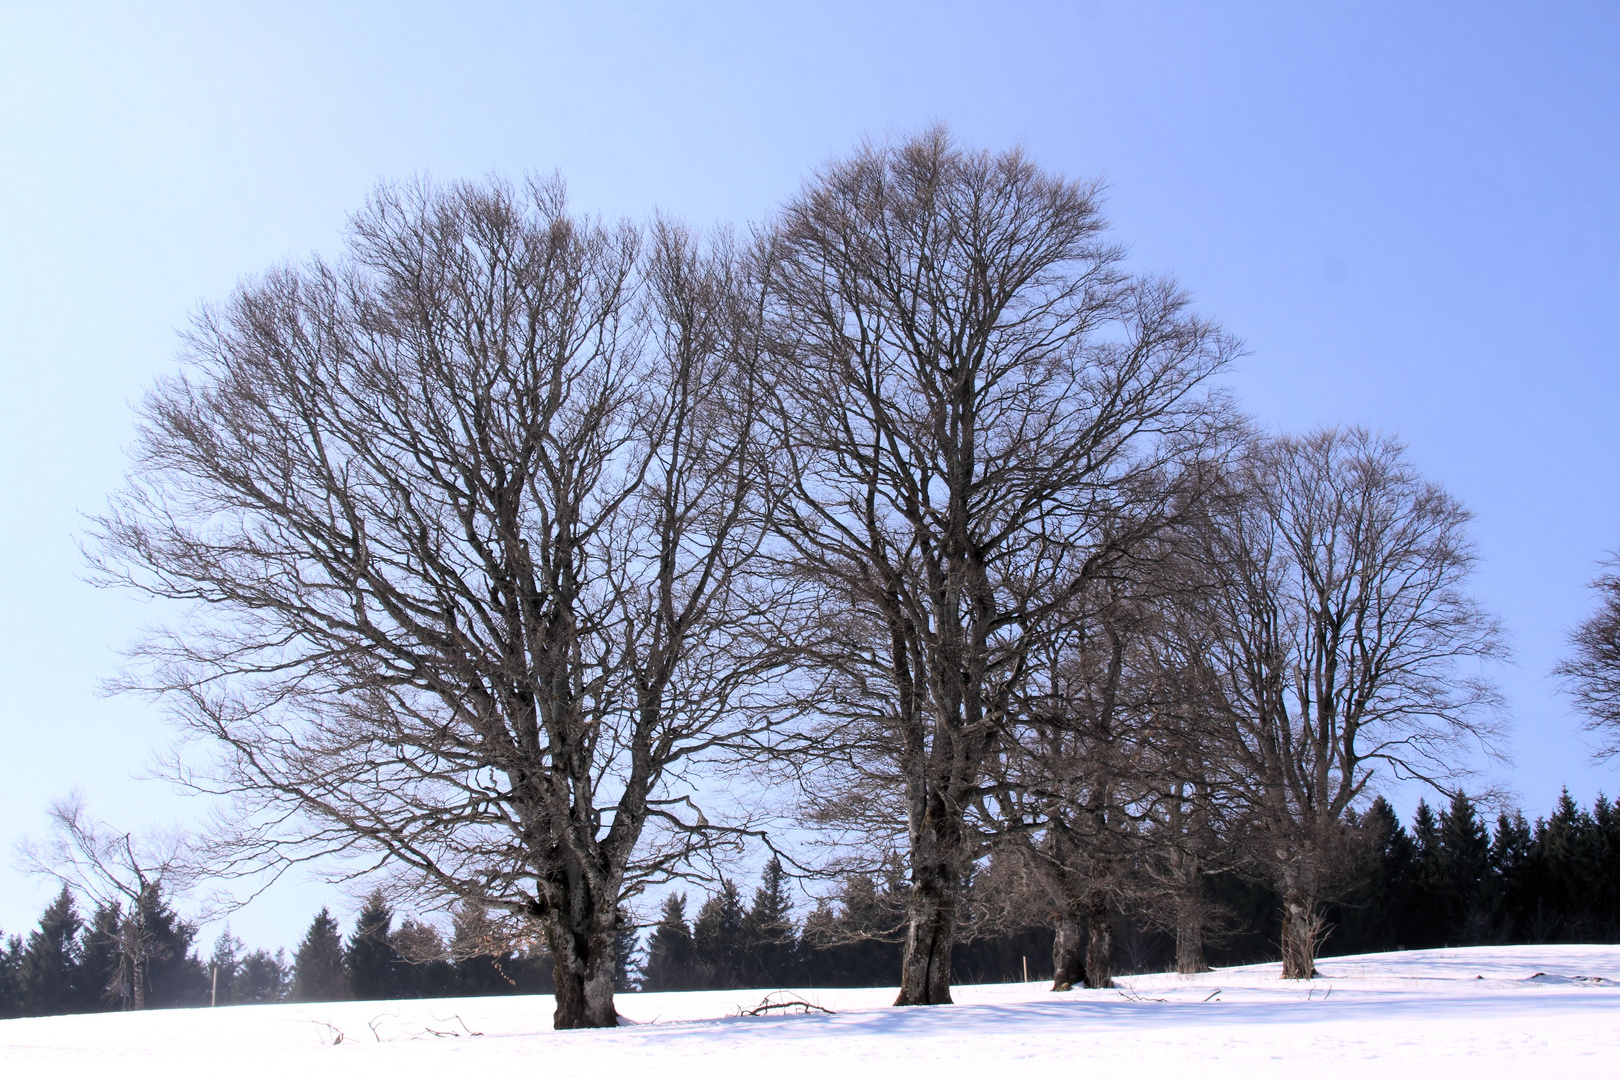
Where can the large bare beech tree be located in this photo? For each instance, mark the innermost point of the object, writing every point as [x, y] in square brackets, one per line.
[464, 520]
[968, 384]
[1591, 674]
[1340, 640]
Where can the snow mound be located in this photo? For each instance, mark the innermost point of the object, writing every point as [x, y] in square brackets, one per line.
[1435, 1013]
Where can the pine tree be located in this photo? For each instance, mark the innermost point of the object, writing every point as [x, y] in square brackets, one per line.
[95, 985]
[671, 955]
[262, 978]
[482, 953]
[627, 954]
[717, 937]
[1514, 871]
[50, 959]
[1565, 843]
[318, 973]
[175, 977]
[770, 941]
[373, 965]
[223, 965]
[854, 944]
[11, 1003]
[1606, 886]
[1375, 918]
[1466, 896]
[426, 971]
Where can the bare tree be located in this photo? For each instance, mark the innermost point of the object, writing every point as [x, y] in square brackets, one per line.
[1072, 777]
[1591, 675]
[1340, 641]
[465, 520]
[967, 383]
[121, 873]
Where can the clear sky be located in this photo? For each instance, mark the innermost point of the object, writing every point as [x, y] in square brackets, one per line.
[1409, 212]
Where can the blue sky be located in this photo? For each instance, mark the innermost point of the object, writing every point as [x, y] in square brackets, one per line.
[1409, 213]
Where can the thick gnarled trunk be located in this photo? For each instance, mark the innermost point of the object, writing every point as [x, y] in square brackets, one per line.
[1068, 964]
[584, 970]
[1301, 934]
[1099, 973]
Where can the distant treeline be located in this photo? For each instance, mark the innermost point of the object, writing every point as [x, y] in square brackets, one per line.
[1449, 879]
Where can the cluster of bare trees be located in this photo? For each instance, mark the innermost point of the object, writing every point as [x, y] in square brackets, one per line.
[506, 531]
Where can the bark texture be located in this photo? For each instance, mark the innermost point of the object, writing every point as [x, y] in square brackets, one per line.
[1099, 943]
[1068, 953]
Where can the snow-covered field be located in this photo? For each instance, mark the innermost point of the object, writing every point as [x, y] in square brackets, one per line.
[1513, 1011]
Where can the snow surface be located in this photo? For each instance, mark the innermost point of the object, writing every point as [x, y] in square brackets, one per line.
[1437, 1013]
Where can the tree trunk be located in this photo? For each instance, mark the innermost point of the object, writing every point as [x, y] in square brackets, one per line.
[1068, 967]
[1301, 933]
[1190, 945]
[583, 972]
[1099, 944]
[925, 966]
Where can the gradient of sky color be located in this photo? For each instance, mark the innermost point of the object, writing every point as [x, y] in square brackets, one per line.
[1410, 214]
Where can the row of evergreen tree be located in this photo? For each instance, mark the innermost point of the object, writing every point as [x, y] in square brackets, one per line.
[1451, 879]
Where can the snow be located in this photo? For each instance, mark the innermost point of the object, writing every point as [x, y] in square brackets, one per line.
[1446, 1012]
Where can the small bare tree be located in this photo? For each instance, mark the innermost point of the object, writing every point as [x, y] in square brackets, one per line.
[1339, 638]
[1591, 674]
[466, 520]
[967, 383]
[119, 872]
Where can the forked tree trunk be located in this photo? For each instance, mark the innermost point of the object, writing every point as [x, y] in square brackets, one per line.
[1099, 973]
[584, 968]
[1068, 965]
[1301, 934]
[925, 966]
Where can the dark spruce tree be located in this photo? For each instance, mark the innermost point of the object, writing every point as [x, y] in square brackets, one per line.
[372, 963]
[100, 961]
[262, 978]
[175, 977]
[11, 1003]
[671, 956]
[50, 959]
[1466, 897]
[318, 972]
[717, 937]
[1512, 861]
[223, 965]
[770, 945]
[627, 954]
[426, 971]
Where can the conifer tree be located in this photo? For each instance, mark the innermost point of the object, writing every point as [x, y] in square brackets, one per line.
[370, 958]
[671, 955]
[223, 965]
[318, 973]
[1376, 919]
[50, 959]
[175, 977]
[717, 937]
[627, 954]
[482, 953]
[1466, 897]
[1513, 867]
[1564, 843]
[770, 941]
[1606, 879]
[11, 1003]
[426, 971]
[99, 960]
[262, 978]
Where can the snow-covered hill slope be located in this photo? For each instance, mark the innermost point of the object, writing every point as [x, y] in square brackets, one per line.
[1433, 1014]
